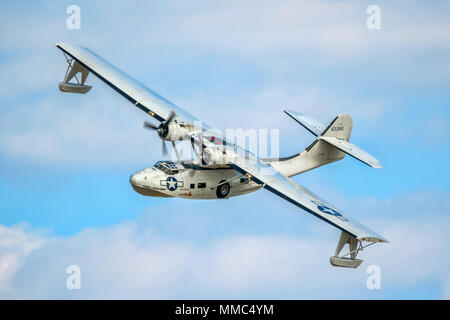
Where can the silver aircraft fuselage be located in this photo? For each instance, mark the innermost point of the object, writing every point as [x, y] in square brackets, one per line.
[190, 181]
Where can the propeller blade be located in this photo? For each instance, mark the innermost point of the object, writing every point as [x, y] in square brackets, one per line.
[164, 148]
[170, 118]
[148, 125]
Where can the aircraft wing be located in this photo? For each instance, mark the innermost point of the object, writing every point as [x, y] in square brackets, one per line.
[248, 164]
[142, 97]
[272, 180]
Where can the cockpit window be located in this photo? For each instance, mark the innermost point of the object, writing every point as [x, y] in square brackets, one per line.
[168, 168]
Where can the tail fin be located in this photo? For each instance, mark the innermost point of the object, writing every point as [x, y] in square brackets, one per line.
[331, 145]
[339, 128]
[337, 134]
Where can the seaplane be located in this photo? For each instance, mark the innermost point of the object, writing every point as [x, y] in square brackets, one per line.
[222, 169]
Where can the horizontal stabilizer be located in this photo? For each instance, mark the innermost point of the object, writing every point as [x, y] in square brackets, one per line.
[352, 150]
[313, 126]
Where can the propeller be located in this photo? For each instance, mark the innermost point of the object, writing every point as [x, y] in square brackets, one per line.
[164, 148]
[162, 129]
[170, 118]
[148, 125]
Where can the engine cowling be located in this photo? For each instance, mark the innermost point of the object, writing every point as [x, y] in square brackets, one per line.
[174, 131]
[217, 155]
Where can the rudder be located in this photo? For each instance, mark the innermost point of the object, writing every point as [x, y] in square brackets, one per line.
[340, 128]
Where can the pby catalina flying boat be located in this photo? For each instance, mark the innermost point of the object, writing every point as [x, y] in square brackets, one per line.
[222, 169]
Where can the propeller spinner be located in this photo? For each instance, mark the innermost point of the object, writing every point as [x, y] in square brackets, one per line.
[162, 130]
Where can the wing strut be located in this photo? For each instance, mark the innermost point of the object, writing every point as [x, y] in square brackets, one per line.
[73, 69]
[355, 246]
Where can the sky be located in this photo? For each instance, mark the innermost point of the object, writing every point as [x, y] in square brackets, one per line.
[66, 159]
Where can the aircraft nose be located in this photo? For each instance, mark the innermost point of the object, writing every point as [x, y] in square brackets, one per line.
[139, 179]
[134, 179]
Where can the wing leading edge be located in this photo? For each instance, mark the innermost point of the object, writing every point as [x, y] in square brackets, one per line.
[139, 95]
[275, 182]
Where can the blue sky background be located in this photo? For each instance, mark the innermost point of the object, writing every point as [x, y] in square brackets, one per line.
[65, 160]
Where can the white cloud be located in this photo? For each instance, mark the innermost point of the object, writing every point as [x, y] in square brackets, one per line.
[104, 129]
[66, 130]
[132, 261]
[335, 27]
[256, 28]
[98, 129]
[76, 132]
[16, 243]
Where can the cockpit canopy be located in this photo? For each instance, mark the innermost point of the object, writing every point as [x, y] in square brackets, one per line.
[167, 167]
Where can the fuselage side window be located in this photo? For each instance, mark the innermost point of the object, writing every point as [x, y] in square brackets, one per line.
[202, 185]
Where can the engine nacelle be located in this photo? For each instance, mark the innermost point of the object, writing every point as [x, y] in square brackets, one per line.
[218, 155]
[174, 131]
